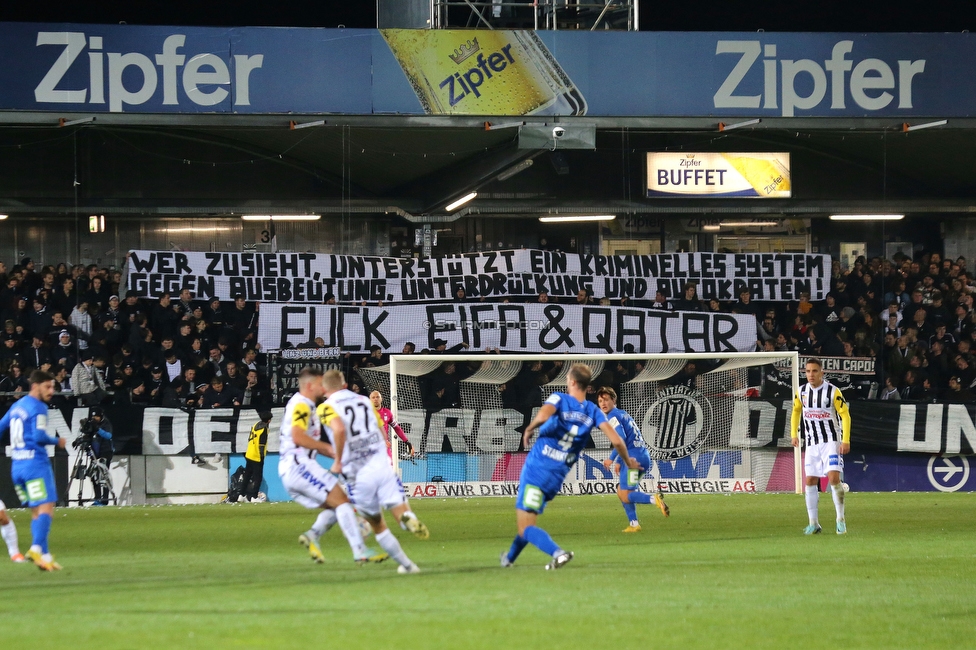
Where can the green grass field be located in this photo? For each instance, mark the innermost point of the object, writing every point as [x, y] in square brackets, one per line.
[722, 572]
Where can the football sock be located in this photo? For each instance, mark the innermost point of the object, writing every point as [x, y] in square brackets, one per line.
[40, 528]
[631, 511]
[838, 493]
[325, 521]
[409, 515]
[9, 533]
[517, 545]
[813, 499]
[350, 528]
[640, 497]
[540, 539]
[391, 545]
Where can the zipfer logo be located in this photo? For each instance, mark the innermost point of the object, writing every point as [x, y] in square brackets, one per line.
[677, 423]
[867, 83]
[204, 77]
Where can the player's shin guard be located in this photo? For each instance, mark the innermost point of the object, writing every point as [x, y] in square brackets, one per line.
[9, 533]
[391, 545]
[838, 493]
[631, 512]
[40, 528]
[350, 528]
[812, 495]
[325, 521]
[517, 545]
[540, 539]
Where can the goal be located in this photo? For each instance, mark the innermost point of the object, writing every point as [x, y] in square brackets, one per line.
[713, 422]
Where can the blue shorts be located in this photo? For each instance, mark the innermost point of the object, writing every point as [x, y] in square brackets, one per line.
[539, 484]
[630, 478]
[34, 484]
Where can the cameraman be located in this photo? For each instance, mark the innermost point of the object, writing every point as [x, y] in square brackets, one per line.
[100, 429]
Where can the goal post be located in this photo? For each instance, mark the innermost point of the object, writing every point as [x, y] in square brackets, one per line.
[713, 422]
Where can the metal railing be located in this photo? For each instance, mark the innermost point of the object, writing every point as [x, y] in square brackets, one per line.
[590, 15]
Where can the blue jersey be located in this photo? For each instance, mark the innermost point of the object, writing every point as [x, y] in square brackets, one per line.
[27, 422]
[565, 434]
[625, 426]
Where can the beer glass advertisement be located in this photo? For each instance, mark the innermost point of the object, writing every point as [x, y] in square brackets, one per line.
[500, 72]
[719, 175]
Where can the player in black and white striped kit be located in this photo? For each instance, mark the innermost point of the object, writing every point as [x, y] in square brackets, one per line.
[822, 413]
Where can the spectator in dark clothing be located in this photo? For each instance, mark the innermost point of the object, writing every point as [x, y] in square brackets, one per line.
[10, 350]
[97, 295]
[107, 339]
[233, 376]
[19, 316]
[444, 389]
[37, 354]
[957, 393]
[194, 387]
[39, 321]
[244, 322]
[155, 386]
[64, 353]
[220, 395]
[745, 304]
[176, 395]
[14, 381]
[164, 318]
[254, 394]
[129, 310]
[661, 302]
[689, 300]
[65, 297]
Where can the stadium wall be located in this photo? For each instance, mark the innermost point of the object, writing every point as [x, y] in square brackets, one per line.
[896, 447]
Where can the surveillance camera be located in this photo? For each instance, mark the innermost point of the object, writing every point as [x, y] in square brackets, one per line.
[558, 132]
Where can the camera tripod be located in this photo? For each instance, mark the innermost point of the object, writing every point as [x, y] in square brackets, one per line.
[88, 465]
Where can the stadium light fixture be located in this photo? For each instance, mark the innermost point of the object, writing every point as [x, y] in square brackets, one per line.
[722, 126]
[281, 217]
[748, 224]
[515, 169]
[293, 125]
[577, 217]
[712, 227]
[3, 216]
[867, 217]
[84, 120]
[503, 125]
[906, 127]
[461, 201]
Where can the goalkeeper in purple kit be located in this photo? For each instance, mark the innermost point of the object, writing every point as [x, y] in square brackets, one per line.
[564, 422]
[31, 470]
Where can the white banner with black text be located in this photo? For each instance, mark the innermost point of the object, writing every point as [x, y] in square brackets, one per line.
[509, 327]
[310, 277]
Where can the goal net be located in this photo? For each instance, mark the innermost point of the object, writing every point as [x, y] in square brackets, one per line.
[713, 422]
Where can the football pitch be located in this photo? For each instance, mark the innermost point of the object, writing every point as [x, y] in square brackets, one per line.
[721, 572]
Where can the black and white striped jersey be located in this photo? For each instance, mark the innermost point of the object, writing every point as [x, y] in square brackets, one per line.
[822, 409]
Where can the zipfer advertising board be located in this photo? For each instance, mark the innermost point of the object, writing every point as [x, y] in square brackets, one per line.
[257, 70]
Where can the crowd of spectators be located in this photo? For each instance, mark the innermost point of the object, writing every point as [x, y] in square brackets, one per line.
[913, 318]
[101, 347]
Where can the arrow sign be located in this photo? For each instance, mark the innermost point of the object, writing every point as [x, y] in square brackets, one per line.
[943, 469]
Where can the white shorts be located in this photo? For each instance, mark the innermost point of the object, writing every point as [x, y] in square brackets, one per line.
[823, 458]
[307, 482]
[2, 505]
[376, 487]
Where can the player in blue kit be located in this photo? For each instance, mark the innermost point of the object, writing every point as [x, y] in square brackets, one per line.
[31, 470]
[564, 422]
[629, 490]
